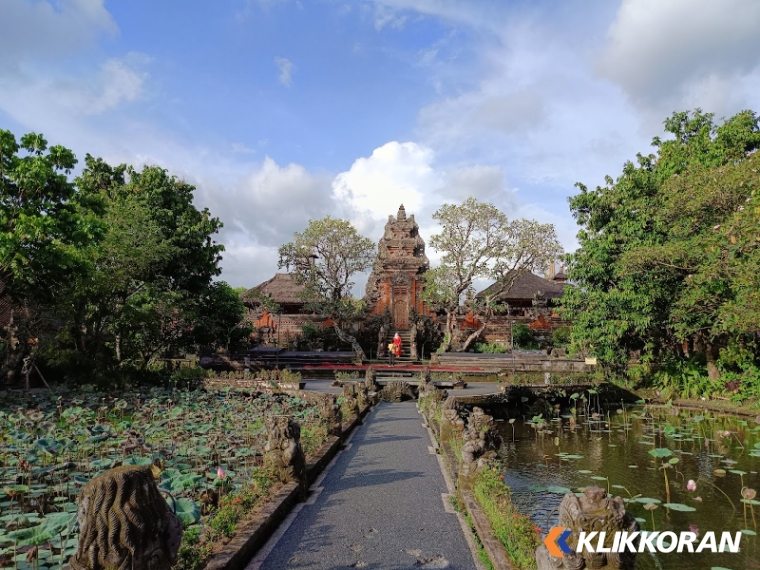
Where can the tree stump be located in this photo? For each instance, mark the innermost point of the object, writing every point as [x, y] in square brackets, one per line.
[593, 511]
[125, 523]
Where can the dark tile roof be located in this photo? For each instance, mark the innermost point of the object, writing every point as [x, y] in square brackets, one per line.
[525, 286]
[282, 289]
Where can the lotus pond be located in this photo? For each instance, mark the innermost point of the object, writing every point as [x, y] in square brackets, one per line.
[51, 444]
[676, 470]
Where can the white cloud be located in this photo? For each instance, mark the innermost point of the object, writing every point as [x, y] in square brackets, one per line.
[286, 70]
[44, 100]
[666, 54]
[395, 173]
[53, 30]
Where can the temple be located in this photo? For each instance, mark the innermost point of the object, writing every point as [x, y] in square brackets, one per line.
[396, 282]
[395, 303]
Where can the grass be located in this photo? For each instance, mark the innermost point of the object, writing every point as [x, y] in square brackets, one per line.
[482, 554]
[516, 532]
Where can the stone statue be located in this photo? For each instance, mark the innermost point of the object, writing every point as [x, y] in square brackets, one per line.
[125, 523]
[480, 442]
[397, 391]
[382, 337]
[426, 382]
[330, 415]
[283, 450]
[370, 379]
[593, 511]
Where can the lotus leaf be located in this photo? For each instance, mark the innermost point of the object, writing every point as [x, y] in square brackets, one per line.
[679, 507]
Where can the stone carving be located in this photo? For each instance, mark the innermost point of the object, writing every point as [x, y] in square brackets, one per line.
[401, 279]
[540, 305]
[397, 391]
[382, 336]
[426, 382]
[480, 442]
[283, 450]
[593, 511]
[362, 396]
[125, 523]
[370, 379]
[330, 415]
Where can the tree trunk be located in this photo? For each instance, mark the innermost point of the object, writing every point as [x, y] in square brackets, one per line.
[710, 352]
[449, 338]
[472, 337]
[350, 339]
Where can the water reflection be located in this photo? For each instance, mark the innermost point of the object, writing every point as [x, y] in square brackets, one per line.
[720, 454]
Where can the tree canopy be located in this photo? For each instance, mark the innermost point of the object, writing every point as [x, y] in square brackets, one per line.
[325, 258]
[670, 251]
[108, 270]
[477, 240]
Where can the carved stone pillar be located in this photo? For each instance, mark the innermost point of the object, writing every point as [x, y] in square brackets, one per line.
[125, 523]
[593, 511]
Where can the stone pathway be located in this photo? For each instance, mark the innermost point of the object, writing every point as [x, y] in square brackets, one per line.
[383, 504]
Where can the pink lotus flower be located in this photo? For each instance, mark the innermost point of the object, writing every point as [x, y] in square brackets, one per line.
[691, 485]
[694, 528]
[220, 472]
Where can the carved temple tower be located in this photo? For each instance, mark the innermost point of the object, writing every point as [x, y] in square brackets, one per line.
[396, 281]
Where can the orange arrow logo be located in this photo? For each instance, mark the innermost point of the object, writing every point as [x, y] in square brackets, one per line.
[556, 541]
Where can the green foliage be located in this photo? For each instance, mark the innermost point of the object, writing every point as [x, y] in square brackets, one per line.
[188, 378]
[325, 259]
[515, 531]
[561, 336]
[669, 251]
[523, 337]
[220, 318]
[478, 241]
[490, 348]
[114, 268]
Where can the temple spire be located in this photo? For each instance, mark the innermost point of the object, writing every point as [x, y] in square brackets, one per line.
[401, 216]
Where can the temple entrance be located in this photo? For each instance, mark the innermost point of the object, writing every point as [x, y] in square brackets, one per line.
[400, 308]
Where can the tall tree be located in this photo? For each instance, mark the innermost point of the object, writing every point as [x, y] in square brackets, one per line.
[477, 240]
[325, 259]
[46, 226]
[668, 253]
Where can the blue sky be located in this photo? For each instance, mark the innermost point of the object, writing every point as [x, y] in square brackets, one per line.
[281, 111]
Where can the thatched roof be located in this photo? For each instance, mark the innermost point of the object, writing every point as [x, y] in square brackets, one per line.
[525, 286]
[282, 289]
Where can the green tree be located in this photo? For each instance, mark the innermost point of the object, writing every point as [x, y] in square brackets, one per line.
[668, 251]
[46, 227]
[477, 241]
[325, 259]
[220, 321]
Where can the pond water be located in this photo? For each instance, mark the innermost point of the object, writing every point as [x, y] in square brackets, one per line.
[547, 457]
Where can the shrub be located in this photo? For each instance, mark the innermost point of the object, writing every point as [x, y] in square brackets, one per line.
[561, 336]
[523, 336]
[490, 348]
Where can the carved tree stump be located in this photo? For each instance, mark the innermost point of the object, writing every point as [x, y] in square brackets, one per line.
[125, 523]
[593, 511]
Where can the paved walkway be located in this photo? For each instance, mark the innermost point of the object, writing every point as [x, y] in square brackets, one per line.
[383, 504]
